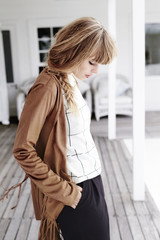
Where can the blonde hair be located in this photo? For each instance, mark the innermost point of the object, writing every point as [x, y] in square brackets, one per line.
[79, 40]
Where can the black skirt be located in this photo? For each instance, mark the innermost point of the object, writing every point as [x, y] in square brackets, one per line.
[89, 221]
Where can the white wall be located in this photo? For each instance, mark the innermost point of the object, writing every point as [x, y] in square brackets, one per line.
[19, 15]
[124, 41]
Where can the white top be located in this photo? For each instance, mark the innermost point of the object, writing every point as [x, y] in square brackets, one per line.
[82, 157]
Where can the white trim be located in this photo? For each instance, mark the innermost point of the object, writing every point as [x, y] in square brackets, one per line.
[14, 48]
[112, 74]
[138, 28]
[4, 103]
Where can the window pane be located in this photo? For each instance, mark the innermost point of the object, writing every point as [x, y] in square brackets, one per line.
[56, 29]
[44, 32]
[43, 57]
[40, 69]
[44, 45]
[152, 49]
[8, 55]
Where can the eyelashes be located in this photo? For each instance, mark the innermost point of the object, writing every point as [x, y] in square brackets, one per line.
[91, 63]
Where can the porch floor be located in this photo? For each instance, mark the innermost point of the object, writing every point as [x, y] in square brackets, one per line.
[128, 219]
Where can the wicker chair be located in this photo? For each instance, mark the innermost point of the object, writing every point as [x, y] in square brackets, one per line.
[99, 85]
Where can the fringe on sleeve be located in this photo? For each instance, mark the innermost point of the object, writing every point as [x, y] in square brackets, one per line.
[49, 229]
[14, 187]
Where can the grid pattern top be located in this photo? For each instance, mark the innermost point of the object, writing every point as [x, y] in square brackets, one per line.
[82, 157]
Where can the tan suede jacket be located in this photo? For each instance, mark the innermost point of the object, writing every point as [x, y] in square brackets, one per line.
[40, 149]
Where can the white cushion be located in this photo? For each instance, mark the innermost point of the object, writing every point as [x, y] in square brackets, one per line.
[119, 100]
[26, 85]
[121, 87]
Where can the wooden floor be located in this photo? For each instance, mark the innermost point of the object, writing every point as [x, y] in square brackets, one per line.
[128, 219]
[124, 126]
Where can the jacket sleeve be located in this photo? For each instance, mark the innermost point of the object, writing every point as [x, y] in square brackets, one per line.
[39, 103]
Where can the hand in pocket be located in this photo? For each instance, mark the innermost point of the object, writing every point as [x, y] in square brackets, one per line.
[78, 197]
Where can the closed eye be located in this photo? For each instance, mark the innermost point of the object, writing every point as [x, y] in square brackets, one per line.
[91, 63]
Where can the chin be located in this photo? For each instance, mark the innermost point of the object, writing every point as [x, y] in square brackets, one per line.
[81, 78]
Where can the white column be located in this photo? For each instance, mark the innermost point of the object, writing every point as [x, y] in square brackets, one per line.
[4, 102]
[138, 27]
[112, 73]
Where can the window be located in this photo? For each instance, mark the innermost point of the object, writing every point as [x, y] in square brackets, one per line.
[8, 56]
[152, 49]
[45, 40]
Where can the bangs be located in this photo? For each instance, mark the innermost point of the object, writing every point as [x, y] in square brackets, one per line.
[105, 50]
[101, 56]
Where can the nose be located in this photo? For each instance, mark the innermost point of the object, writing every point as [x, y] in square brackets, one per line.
[95, 69]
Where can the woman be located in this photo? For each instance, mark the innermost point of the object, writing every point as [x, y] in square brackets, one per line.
[53, 143]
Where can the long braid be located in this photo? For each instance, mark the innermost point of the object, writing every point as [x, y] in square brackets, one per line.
[69, 90]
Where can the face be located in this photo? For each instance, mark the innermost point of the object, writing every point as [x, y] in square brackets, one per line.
[86, 69]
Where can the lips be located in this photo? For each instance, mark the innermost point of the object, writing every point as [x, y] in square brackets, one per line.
[87, 76]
